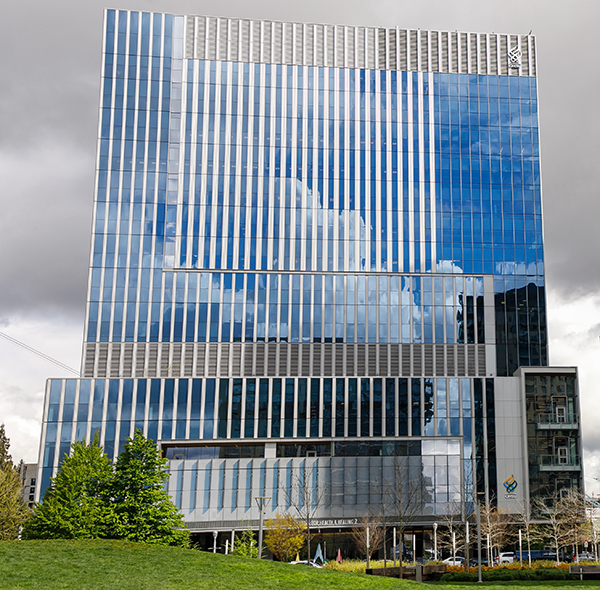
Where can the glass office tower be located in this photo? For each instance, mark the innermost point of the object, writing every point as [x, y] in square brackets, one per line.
[317, 250]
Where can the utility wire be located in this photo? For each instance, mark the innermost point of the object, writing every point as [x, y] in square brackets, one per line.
[40, 354]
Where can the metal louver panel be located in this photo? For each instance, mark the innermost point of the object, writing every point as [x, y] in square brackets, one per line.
[493, 54]
[454, 52]
[350, 47]
[372, 361]
[355, 47]
[288, 43]
[222, 33]
[503, 55]
[481, 368]
[444, 53]
[211, 38]
[284, 351]
[414, 57]
[188, 362]
[127, 360]
[282, 359]
[277, 42]
[403, 50]
[406, 364]
[115, 360]
[417, 358]
[435, 61]
[330, 46]
[424, 54]
[339, 46]
[350, 359]
[381, 49]
[360, 48]
[473, 54]
[89, 359]
[483, 56]
[152, 360]
[199, 43]
[234, 38]
[255, 41]
[370, 48]
[245, 42]
[525, 56]
[464, 53]
[394, 360]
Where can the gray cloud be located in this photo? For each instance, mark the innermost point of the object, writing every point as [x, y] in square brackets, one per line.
[49, 125]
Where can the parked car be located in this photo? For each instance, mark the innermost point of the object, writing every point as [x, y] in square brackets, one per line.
[507, 557]
[586, 556]
[454, 560]
[537, 555]
[474, 563]
[407, 554]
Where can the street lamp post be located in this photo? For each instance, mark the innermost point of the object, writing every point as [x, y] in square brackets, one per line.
[521, 548]
[478, 540]
[261, 502]
[435, 525]
[454, 547]
[467, 547]
[215, 533]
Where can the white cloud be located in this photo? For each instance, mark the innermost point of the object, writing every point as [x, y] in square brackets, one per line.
[574, 326]
[23, 376]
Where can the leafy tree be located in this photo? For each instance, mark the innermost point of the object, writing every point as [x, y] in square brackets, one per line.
[245, 545]
[5, 458]
[285, 536]
[13, 510]
[143, 509]
[75, 505]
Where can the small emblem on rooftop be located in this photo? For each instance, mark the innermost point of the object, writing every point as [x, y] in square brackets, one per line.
[514, 57]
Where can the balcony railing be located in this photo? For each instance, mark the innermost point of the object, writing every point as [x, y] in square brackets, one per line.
[554, 420]
[558, 461]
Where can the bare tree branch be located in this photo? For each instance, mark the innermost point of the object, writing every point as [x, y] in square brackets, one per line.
[306, 495]
[375, 539]
[403, 497]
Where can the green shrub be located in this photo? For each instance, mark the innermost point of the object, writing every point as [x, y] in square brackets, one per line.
[551, 574]
[245, 545]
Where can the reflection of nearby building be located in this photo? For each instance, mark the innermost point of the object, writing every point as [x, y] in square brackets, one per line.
[553, 431]
[520, 328]
[317, 251]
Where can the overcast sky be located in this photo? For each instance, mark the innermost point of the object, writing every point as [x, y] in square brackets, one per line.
[49, 90]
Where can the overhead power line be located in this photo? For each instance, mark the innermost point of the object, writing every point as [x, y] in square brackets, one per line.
[40, 354]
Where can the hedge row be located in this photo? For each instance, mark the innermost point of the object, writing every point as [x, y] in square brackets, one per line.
[507, 575]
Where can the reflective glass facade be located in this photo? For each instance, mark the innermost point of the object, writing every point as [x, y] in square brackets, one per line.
[375, 182]
[306, 236]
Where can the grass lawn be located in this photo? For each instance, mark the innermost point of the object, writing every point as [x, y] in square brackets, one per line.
[119, 565]
[549, 585]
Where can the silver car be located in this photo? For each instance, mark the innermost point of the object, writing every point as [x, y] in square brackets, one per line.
[508, 557]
